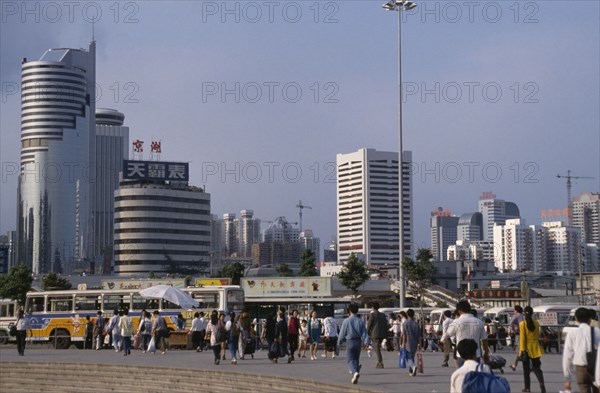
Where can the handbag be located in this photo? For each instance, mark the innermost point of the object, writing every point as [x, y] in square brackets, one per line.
[107, 339]
[420, 362]
[591, 356]
[136, 341]
[152, 345]
[402, 361]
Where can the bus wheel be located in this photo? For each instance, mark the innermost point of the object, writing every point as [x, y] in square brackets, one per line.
[61, 339]
[3, 337]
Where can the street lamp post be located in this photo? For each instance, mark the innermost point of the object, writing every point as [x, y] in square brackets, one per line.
[399, 6]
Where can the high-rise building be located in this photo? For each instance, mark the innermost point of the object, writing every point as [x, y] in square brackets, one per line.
[586, 217]
[230, 234]
[4, 254]
[112, 143]
[310, 242]
[513, 246]
[495, 212]
[248, 232]
[367, 206]
[330, 252]
[162, 224]
[216, 244]
[443, 233]
[564, 253]
[470, 227]
[280, 230]
[281, 245]
[58, 137]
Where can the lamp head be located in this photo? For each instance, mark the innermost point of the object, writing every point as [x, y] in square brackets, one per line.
[409, 5]
[390, 5]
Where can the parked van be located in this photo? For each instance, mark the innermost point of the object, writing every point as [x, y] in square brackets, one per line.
[553, 314]
[504, 314]
[572, 324]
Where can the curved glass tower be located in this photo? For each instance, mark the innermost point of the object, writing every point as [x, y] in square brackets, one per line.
[56, 184]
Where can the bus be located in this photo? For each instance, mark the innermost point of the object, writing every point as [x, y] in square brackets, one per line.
[58, 317]
[8, 317]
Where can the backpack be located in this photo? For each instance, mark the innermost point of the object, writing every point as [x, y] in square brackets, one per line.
[221, 333]
[478, 381]
[235, 329]
[13, 330]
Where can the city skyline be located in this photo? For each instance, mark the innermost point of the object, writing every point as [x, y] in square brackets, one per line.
[172, 84]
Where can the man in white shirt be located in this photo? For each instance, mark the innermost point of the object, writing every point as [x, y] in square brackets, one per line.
[446, 342]
[577, 344]
[468, 326]
[467, 349]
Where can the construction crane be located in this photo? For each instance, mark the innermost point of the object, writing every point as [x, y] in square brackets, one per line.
[569, 186]
[300, 207]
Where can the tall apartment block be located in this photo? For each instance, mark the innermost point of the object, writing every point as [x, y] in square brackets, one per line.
[368, 206]
[444, 229]
[248, 232]
[513, 246]
[495, 212]
[58, 135]
[586, 217]
[112, 143]
[310, 242]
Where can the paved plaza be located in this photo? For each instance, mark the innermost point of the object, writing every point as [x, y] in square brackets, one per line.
[389, 379]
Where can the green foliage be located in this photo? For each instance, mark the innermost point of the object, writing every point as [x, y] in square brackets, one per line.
[16, 284]
[53, 281]
[353, 274]
[284, 270]
[307, 264]
[234, 271]
[441, 304]
[420, 274]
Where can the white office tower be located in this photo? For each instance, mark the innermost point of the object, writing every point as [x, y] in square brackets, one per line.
[58, 130]
[586, 217]
[248, 232]
[475, 250]
[539, 235]
[495, 212]
[112, 147]
[367, 206]
[230, 235]
[513, 246]
[564, 248]
[162, 225]
[310, 242]
[281, 231]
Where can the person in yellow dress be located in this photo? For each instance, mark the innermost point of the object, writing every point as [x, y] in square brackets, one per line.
[530, 350]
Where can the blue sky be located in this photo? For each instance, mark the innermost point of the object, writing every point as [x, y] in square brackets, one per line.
[499, 96]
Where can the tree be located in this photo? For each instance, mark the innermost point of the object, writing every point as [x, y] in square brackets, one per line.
[234, 271]
[52, 281]
[307, 264]
[353, 274]
[16, 284]
[420, 274]
[284, 270]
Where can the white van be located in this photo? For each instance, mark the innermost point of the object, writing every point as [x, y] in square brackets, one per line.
[504, 314]
[572, 324]
[553, 314]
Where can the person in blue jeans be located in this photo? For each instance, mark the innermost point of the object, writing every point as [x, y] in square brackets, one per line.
[410, 341]
[354, 332]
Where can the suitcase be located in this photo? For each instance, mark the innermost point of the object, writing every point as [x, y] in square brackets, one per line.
[250, 347]
[497, 362]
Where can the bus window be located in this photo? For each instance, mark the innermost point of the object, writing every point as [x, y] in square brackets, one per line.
[141, 303]
[235, 300]
[60, 303]
[208, 300]
[35, 304]
[86, 302]
[116, 302]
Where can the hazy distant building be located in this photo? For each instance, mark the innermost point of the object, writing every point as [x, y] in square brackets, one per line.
[216, 243]
[443, 233]
[586, 217]
[112, 143]
[310, 242]
[368, 206]
[248, 232]
[474, 250]
[58, 135]
[495, 212]
[470, 227]
[330, 252]
[281, 245]
[230, 234]
[4, 254]
[564, 252]
[162, 224]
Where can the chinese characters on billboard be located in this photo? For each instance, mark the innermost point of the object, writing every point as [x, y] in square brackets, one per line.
[155, 170]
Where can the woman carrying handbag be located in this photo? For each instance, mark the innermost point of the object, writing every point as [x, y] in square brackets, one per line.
[530, 350]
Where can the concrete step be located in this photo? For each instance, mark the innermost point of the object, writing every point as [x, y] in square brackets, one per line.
[51, 377]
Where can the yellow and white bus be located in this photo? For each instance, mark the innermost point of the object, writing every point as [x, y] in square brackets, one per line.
[8, 316]
[59, 316]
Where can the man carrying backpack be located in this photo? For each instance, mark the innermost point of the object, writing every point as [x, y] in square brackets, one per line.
[467, 349]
